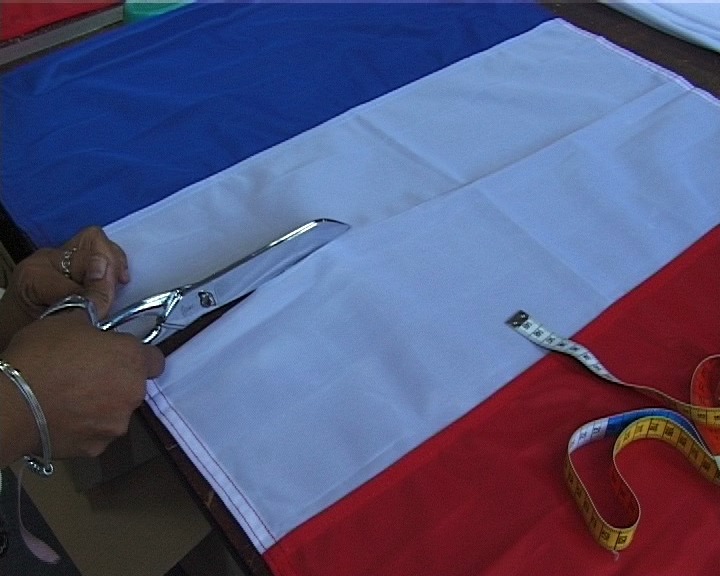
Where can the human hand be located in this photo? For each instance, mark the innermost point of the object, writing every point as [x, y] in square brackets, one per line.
[87, 382]
[96, 266]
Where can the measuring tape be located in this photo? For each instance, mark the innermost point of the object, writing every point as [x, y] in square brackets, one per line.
[704, 392]
[692, 428]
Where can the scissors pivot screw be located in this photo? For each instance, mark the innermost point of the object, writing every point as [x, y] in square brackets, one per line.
[207, 300]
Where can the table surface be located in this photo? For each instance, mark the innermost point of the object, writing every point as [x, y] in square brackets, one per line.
[698, 65]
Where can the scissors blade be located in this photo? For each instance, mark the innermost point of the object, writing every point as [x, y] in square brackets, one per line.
[247, 274]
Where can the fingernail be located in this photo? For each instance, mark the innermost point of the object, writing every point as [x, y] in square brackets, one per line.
[97, 266]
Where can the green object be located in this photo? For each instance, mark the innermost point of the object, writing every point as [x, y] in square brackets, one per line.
[137, 10]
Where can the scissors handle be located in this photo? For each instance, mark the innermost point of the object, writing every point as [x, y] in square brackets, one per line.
[74, 301]
[158, 307]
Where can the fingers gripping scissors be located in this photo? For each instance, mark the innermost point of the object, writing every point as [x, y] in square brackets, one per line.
[156, 317]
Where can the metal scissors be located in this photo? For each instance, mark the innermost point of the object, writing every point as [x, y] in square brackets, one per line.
[171, 311]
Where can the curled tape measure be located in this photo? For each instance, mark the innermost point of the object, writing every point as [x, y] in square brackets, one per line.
[693, 428]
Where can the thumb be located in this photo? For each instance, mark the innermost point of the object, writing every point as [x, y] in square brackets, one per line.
[99, 284]
[155, 360]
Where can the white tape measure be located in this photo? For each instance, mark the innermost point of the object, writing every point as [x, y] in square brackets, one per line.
[675, 426]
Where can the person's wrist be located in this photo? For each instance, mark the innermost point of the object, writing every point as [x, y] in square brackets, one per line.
[41, 465]
[18, 433]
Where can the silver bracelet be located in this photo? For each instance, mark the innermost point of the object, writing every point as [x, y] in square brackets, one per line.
[44, 466]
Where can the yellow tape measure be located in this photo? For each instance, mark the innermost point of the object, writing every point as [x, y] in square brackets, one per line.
[673, 426]
[704, 389]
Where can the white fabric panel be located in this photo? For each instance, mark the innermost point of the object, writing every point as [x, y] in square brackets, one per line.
[465, 122]
[697, 22]
[551, 172]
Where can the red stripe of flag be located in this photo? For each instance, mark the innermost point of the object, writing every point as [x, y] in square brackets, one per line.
[486, 495]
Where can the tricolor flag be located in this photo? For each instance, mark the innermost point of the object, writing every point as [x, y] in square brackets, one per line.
[369, 412]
